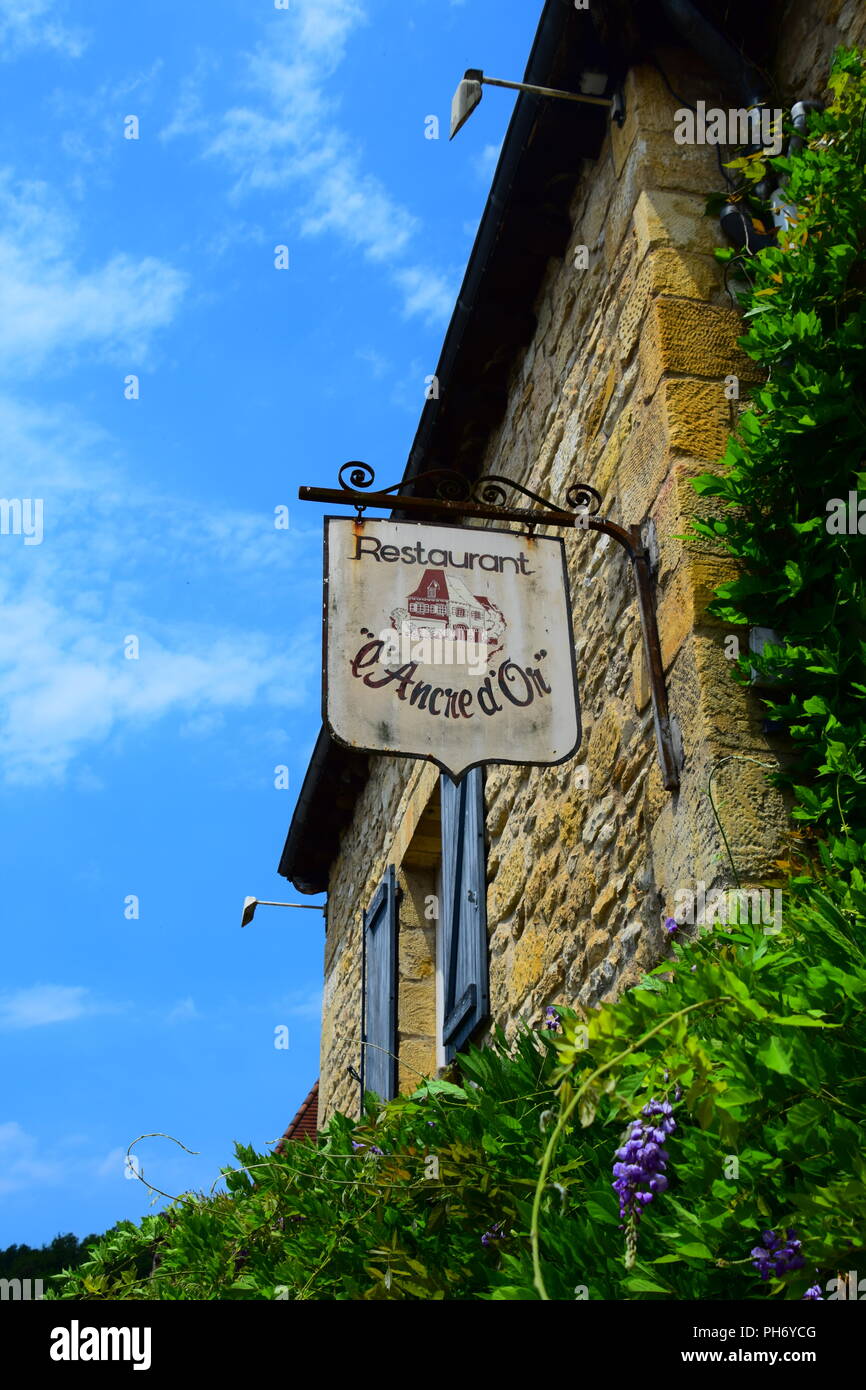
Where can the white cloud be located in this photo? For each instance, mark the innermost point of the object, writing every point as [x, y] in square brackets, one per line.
[294, 135]
[25, 1162]
[356, 206]
[43, 1004]
[50, 309]
[269, 152]
[232, 233]
[326, 27]
[426, 293]
[113, 1165]
[408, 390]
[113, 555]
[31, 24]
[485, 162]
[183, 1011]
[303, 1003]
[188, 117]
[375, 361]
[203, 725]
[65, 684]
[91, 119]
[44, 449]
[20, 1162]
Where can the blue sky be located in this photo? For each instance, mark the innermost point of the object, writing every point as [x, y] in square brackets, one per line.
[154, 777]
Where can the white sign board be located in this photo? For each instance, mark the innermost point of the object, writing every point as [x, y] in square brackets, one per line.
[451, 643]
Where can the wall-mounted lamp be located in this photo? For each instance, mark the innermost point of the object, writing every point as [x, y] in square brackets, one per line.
[469, 93]
[250, 905]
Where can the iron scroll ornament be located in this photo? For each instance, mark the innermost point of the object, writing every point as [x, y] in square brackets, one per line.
[448, 485]
[456, 498]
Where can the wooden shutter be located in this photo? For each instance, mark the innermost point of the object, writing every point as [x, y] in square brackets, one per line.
[379, 1061]
[463, 909]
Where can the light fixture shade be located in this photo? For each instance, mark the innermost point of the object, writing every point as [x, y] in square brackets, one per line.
[250, 905]
[465, 99]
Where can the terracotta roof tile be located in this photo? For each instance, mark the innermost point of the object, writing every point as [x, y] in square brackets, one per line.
[305, 1124]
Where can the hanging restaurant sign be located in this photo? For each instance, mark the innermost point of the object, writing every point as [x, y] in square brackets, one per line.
[511, 622]
[452, 643]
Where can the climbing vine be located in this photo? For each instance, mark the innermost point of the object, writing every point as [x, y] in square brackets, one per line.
[793, 479]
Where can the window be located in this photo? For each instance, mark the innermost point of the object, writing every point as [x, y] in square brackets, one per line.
[425, 959]
[463, 910]
[379, 976]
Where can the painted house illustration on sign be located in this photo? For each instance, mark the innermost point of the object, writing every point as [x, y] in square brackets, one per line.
[445, 607]
[591, 340]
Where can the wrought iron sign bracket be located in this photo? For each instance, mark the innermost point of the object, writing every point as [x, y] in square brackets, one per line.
[456, 499]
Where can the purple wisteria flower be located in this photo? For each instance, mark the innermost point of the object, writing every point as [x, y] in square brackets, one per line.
[672, 926]
[639, 1172]
[369, 1148]
[777, 1256]
[814, 1292]
[551, 1020]
[495, 1233]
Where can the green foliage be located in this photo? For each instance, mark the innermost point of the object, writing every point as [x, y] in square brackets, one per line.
[339, 1220]
[764, 1035]
[496, 1184]
[800, 445]
[30, 1262]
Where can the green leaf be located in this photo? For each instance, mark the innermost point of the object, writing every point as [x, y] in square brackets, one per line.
[776, 1056]
[639, 1283]
[695, 1249]
[795, 575]
[816, 704]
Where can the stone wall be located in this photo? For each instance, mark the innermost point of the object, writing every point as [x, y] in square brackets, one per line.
[808, 35]
[388, 819]
[623, 386]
